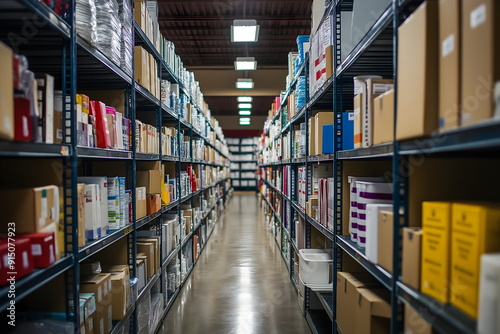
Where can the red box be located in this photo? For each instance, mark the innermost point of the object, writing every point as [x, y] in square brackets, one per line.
[22, 262]
[153, 203]
[43, 248]
[22, 119]
[98, 109]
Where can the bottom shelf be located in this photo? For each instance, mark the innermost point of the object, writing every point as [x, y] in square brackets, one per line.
[319, 322]
[326, 299]
[118, 326]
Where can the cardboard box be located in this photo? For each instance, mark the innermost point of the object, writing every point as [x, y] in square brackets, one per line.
[140, 202]
[414, 323]
[449, 64]
[7, 93]
[312, 136]
[30, 208]
[141, 272]
[480, 70]
[372, 311]
[436, 224]
[140, 14]
[383, 118]
[418, 73]
[476, 231]
[120, 280]
[43, 248]
[141, 66]
[100, 285]
[412, 253]
[320, 119]
[374, 88]
[89, 325]
[120, 289]
[330, 69]
[153, 203]
[347, 298]
[358, 111]
[148, 248]
[385, 239]
[489, 294]
[156, 242]
[150, 179]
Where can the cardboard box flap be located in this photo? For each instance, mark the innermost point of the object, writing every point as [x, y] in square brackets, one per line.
[379, 300]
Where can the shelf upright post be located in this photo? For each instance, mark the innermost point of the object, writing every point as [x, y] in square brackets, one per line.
[131, 177]
[70, 171]
[400, 192]
[337, 163]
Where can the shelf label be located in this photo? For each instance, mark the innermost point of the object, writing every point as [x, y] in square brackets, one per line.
[128, 230]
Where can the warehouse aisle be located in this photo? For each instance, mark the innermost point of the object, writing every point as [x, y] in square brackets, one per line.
[240, 284]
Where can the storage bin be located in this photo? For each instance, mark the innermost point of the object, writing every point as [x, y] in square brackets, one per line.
[353, 225]
[315, 266]
[369, 193]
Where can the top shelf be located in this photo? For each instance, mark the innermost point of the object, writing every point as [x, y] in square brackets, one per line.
[374, 53]
[13, 11]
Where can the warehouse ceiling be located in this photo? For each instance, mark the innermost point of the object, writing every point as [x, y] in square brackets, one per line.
[201, 32]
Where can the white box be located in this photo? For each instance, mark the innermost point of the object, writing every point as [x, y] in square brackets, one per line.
[370, 193]
[92, 217]
[489, 295]
[353, 211]
[315, 266]
[102, 183]
[372, 211]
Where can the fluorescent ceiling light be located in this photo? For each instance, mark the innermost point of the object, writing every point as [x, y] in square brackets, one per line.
[244, 31]
[245, 99]
[245, 112]
[244, 106]
[245, 64]
[244, 84]
[244, 119]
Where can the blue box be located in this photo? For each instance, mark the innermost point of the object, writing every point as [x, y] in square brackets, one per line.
[328, 146]
[347, 131]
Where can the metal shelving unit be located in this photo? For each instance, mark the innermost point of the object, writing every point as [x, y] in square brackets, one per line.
[237, 147]
[56, 49]
[376, 53]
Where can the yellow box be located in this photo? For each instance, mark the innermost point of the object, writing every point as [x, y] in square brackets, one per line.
[475, 231]
[436, 224]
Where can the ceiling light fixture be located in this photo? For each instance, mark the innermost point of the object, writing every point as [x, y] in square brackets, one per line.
[244, 83]
[244, 31]
[245, 64]
[245, 99]
[244, 119]
[244, 112]
[244, 106]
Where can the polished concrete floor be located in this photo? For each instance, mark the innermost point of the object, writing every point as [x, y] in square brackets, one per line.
[240, 284]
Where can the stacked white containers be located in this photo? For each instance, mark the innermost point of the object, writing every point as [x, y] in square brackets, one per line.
[369, 193]
[353, 211]
[372, 212]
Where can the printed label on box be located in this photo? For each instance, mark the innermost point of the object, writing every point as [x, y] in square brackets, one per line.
[448, 45]
[478, 16]
[36, 249]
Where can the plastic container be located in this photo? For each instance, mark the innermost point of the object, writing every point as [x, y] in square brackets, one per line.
[315, 266]
[353, 215]
[369, 193]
